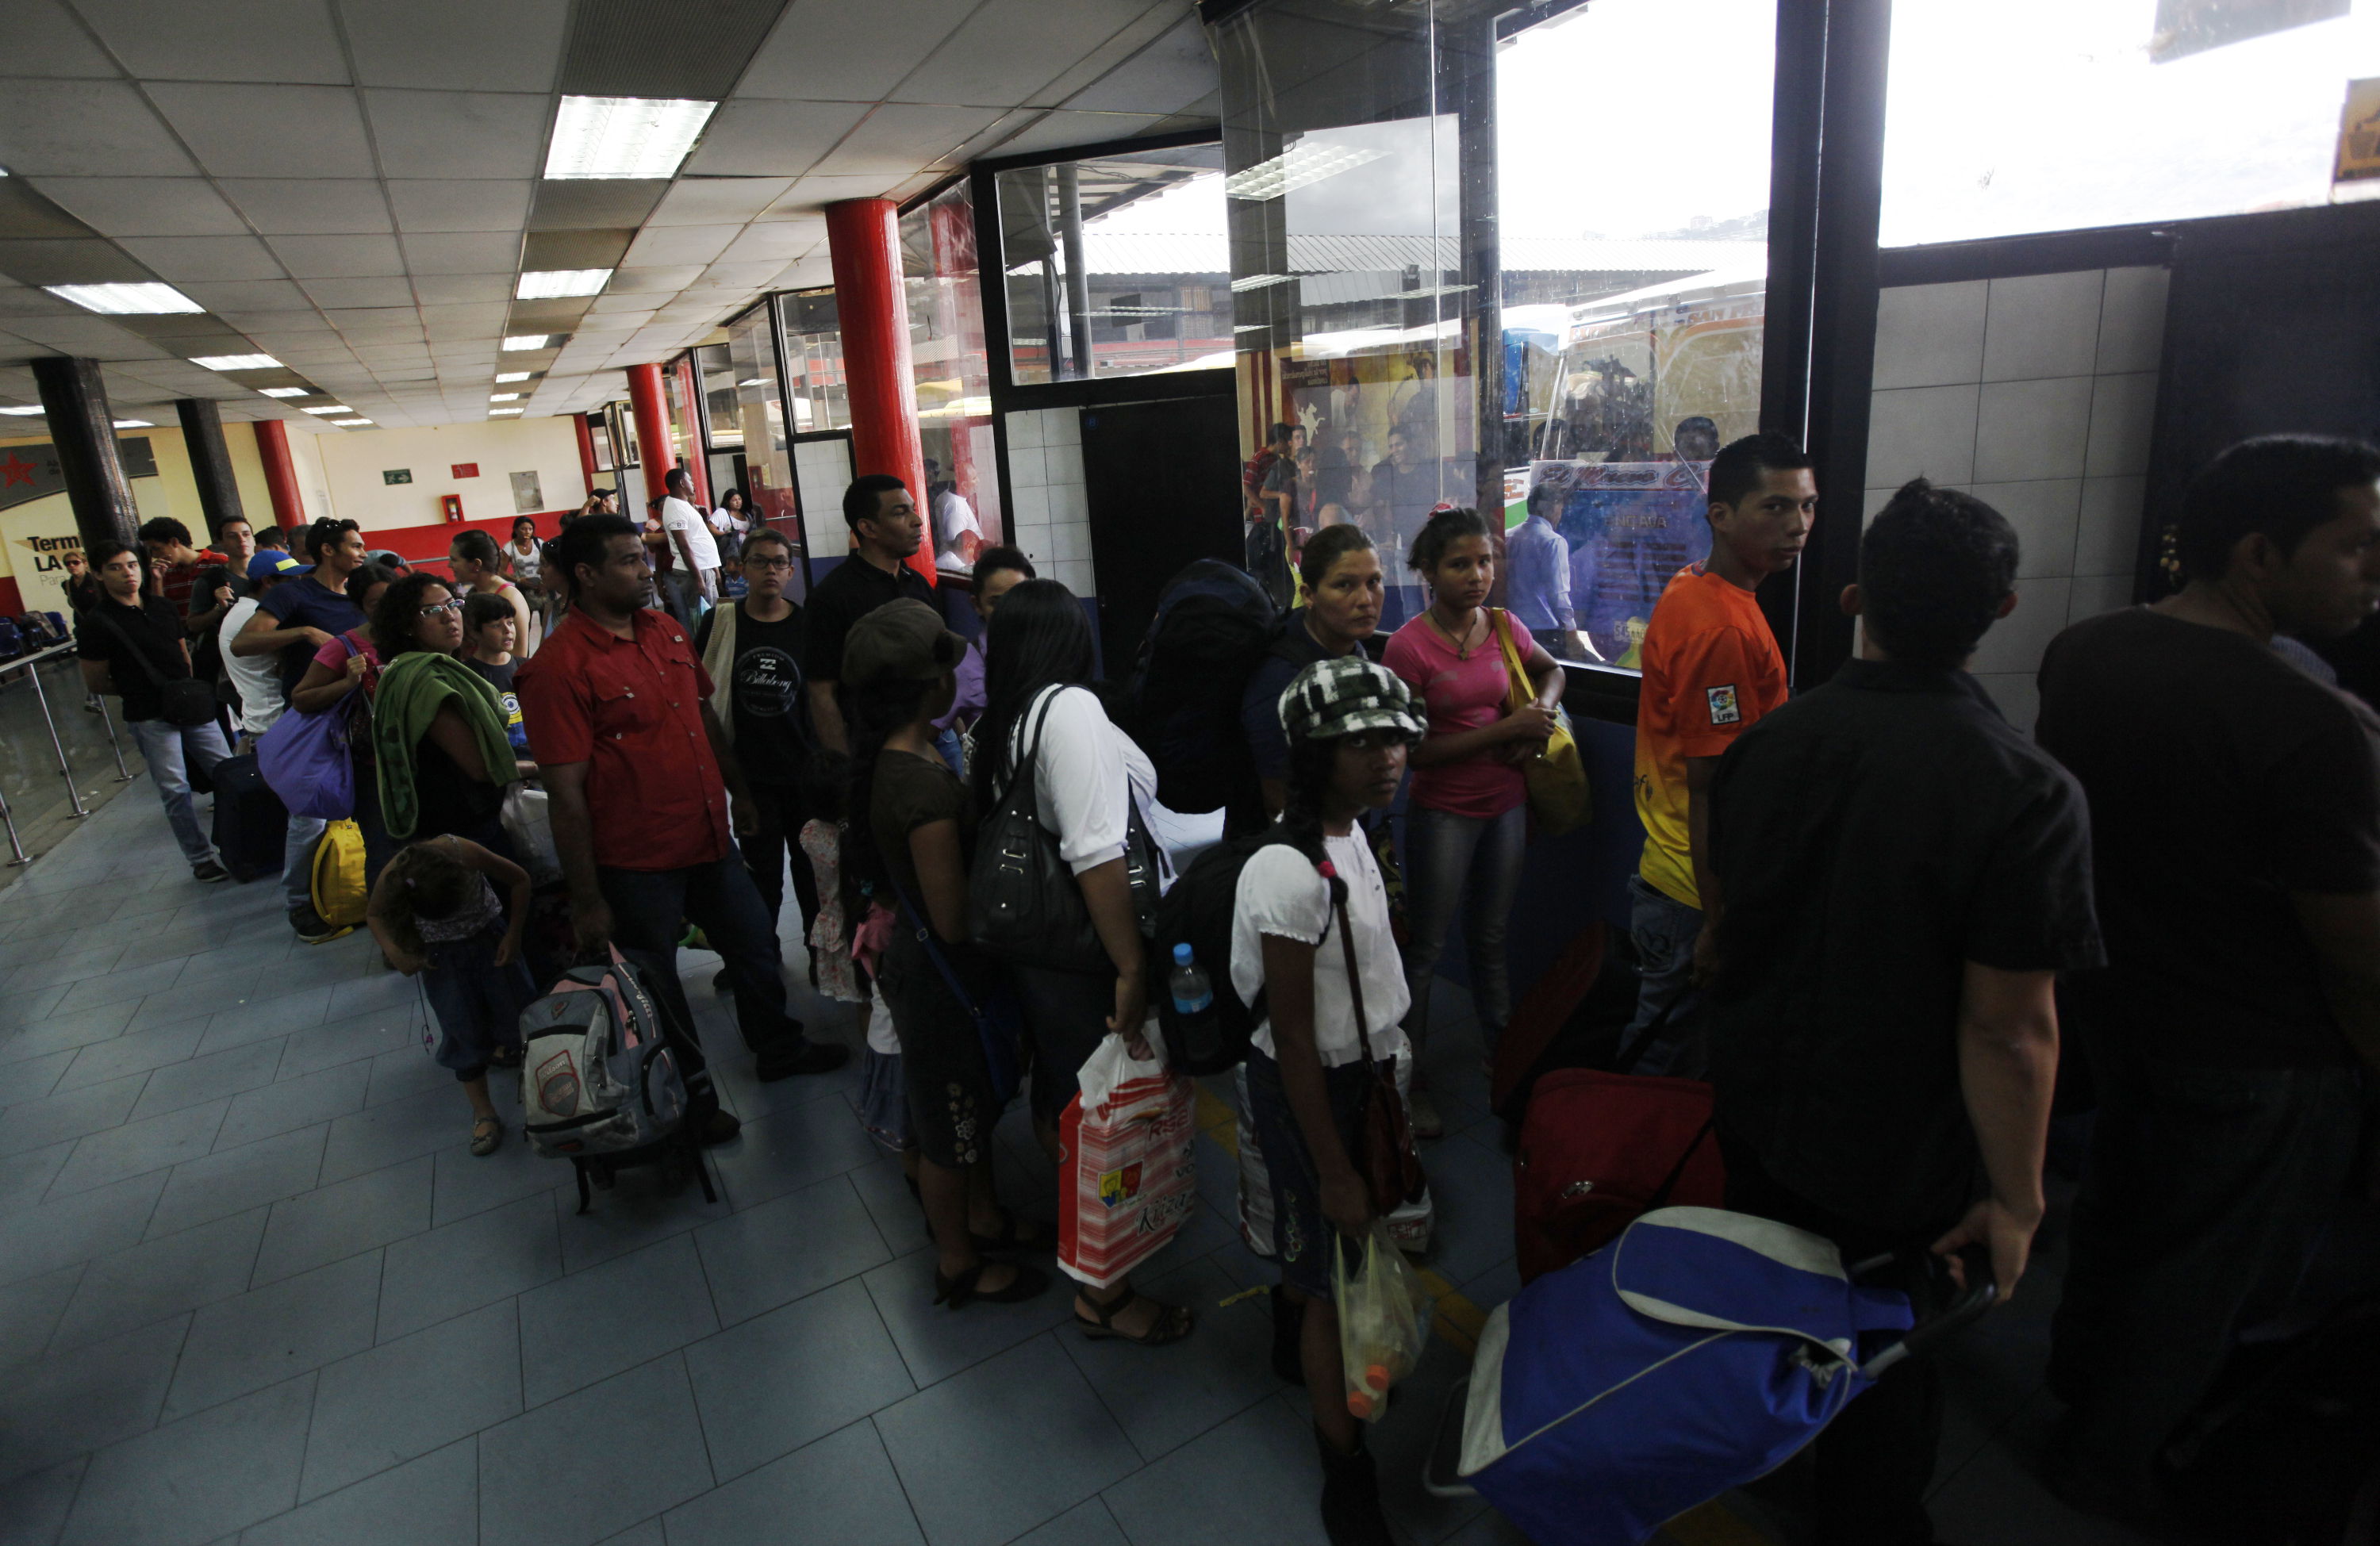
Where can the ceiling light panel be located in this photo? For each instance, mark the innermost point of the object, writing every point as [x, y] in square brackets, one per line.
[127, 300]
[238, 362]
[503, 397]
[519, 340]
[500, 413]
[350, 423]
[512, 375]
[554, 284]
[134, 424]
[19, 413]
[624, 137]
[333, 408]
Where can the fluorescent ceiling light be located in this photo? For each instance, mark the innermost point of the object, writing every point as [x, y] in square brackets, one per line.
[19, 413]
[127, 300]
[134, 424]
[512, 375]
[754, 382]
[503, 397]
[238, 362]
[499, 413]
[554, 283]
[283, 392]
[350, 423]
[330, 408]
[519, 340]
[624, 137]
[1305, 163]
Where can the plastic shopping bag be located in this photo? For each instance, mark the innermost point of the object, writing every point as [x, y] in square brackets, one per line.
[529, 824]
[1128, 1180]
[1383, 1322]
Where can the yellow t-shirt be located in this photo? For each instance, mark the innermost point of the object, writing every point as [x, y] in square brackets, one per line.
[1711, 668]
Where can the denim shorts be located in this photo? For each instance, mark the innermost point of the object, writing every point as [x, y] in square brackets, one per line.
[1301, 1235]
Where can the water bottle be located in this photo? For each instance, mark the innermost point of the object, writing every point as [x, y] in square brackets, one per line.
[1194, 1004]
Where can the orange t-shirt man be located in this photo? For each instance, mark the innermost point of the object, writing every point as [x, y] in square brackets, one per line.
[1711, 669]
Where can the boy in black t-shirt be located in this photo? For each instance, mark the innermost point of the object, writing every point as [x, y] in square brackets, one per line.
[490, 624]
[130, 644]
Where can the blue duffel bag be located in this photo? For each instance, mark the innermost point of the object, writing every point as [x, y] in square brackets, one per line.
[1698, 1351]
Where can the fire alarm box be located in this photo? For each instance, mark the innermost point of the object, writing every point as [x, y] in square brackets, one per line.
[452, 504]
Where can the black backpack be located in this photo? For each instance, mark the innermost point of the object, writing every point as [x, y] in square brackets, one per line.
[1197, 913]
[1213, 626]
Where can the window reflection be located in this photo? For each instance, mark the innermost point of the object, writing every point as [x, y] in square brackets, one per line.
[953, 376]
[759, 418]
[722, 413]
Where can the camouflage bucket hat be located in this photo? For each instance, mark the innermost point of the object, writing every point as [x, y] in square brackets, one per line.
[1332, 698]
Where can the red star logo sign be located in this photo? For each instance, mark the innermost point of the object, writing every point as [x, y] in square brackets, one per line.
[18, 469]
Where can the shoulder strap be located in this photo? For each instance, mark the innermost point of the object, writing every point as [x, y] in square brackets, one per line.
[933, 946]
[1523, 692]
[1020, 775]
[1355, 985]
[140, 656]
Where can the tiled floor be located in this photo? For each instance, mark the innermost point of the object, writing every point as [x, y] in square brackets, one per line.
[254, 1288]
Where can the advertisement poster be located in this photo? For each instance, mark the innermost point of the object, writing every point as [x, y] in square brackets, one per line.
[1630, 525]
[37, 537]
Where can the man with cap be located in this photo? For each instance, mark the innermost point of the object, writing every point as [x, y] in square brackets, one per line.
[640, 773]
[258, 677]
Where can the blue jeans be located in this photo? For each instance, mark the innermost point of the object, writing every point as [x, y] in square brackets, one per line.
[1663, 930]
[169, 750]
[1451, 859]
[298, 861]
[649, 910]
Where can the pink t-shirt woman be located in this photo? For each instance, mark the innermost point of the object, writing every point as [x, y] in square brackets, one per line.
[1463, 694]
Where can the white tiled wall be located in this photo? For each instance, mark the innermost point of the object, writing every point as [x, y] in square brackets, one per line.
[1048, 517]
[2036, 395]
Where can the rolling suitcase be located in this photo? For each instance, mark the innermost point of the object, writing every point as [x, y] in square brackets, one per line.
[251, 824]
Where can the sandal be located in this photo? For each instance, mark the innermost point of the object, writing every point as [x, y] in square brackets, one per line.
[486, 1133]
[508, 1057]
[956, 1292]
[1172, 1323]
[1013, 1235]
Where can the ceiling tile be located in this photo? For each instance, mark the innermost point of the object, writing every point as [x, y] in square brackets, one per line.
[771, 139]
[223, 40]
[486, 316]
[831, 50]
[312, 206]
[338, 257]
[21, 300]
[710, 200]
[899, 138]
[807, 273]
[176, 259]
[575, 203]
[809, 195]
[617, 299]
[88, 262]
[383, 290]
[44, 41]
[447, 289]
[87, 336]
[464, 45]
[781, 241]
[269, 131]
[460, 204]
[1004, 52]
[1056, 131]
[98, 128]
[145, 206]
[458, 134]
[1168, 76]
[464, 252]
[678, 244]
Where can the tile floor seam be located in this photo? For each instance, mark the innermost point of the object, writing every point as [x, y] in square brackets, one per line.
[915, 1518]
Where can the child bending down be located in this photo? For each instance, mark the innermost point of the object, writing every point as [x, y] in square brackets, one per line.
[435, 913]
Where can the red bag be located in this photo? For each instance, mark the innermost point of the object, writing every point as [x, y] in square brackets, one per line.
[1599, 1149]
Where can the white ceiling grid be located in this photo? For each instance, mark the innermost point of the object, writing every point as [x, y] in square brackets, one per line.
[349, 184]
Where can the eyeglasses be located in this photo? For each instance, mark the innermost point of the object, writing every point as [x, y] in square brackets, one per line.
[437, 607]
[773, 566]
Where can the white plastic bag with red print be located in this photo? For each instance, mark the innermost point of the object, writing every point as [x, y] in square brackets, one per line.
[1128, 1180]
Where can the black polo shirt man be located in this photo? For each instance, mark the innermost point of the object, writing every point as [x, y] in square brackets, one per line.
[886, 528]
[1905, 876]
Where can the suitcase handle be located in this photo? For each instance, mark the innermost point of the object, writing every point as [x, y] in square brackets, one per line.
[1977, 1298]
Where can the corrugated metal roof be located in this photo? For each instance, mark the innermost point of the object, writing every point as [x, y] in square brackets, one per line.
[1209, 253]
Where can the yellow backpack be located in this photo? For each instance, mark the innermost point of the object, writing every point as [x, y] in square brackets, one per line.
[339, 892]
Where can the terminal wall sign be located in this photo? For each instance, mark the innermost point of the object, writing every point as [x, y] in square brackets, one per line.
[31, 471]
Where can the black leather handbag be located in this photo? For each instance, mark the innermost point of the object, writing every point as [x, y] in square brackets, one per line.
[1024, 904]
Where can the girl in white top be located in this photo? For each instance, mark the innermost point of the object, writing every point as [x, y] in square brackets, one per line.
[1087, 776]
[1300, 899]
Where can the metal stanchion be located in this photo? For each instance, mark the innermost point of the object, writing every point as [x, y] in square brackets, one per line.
[16, 845]
[65, 770]
[123, 775]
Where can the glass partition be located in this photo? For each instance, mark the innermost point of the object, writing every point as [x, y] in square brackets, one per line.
[1117, 266]
[953, 376]
[722, 419]
[760, 417]
[820, 401]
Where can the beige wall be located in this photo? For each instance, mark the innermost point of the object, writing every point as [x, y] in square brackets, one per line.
[352, 462]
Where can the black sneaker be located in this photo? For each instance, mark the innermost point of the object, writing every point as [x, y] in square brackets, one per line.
[209, 873]
[815, 1057]
[720, 1127]
[1352, 1514]
[722, 982]
[313, 928]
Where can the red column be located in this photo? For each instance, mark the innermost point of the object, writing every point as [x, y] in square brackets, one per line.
[586, 451]
[280, 474]
[864, 243]
[653, 443]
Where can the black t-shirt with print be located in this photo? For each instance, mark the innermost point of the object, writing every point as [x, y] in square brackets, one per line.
[766, 684]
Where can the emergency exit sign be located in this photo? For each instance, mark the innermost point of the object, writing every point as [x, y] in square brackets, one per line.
[465, 469]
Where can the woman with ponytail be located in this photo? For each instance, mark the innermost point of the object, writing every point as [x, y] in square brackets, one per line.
[908, 830]
[1301, 900]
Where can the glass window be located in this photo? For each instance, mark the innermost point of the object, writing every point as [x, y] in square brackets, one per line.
[722, 414]
[814, 362]
[1632, 300]
[1118, 266]
[599, 434]
[761, 420]
[953, 376]
[2064, 114]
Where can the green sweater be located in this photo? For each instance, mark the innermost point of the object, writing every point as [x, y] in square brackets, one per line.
[413, 688]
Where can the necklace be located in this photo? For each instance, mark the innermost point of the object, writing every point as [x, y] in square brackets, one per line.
[1463, 647]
